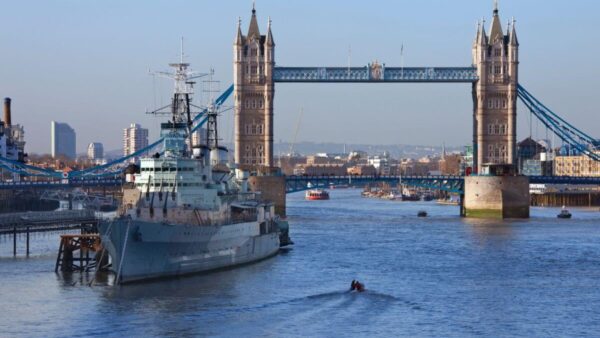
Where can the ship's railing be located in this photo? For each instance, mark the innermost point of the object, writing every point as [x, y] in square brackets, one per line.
[242, 218]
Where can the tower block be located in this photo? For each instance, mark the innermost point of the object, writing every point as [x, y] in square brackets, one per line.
[254, 60]
[498, 190]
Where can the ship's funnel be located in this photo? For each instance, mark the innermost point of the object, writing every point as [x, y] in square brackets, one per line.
[7, 121]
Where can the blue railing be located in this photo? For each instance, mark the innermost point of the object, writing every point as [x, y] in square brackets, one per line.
[452, 184]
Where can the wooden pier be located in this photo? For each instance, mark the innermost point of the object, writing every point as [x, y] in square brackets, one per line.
[87, 247]
[570, 199]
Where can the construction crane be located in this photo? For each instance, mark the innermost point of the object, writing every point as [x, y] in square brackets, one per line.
[296, 132]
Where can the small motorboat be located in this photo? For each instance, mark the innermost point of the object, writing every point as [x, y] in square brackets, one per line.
[357, 286]
[422, 213]
[564, 213]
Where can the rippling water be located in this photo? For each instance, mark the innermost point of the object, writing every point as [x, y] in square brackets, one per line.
[435, 276]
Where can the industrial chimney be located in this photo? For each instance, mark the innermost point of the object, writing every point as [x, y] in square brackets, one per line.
[7, 121]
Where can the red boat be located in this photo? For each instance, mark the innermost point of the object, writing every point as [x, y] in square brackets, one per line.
[317, 195]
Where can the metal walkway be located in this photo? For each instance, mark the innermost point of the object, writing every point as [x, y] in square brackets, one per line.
[367, 74]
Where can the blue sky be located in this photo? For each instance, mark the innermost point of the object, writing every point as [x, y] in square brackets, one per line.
[86, 63]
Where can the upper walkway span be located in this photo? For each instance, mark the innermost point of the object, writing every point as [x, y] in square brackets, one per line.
[375, 73]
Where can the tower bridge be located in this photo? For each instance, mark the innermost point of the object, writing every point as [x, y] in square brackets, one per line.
[495, 188]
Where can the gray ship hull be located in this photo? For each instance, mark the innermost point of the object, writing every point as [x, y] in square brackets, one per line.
[142, 250]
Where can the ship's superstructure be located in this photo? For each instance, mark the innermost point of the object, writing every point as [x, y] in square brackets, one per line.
[189, 211]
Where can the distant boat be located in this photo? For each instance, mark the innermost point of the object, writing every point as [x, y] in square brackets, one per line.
[411, 197]
[453, 200]
[564, 213]
[422, 213]
[317, 195]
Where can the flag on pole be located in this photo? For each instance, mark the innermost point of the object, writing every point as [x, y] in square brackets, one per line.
[402, 60]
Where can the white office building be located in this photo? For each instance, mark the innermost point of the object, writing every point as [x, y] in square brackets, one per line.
[134, 138]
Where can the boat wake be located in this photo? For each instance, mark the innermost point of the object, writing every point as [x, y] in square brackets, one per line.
[336, 300]
[293, 316]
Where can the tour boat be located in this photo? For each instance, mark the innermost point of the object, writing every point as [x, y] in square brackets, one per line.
[317, 195]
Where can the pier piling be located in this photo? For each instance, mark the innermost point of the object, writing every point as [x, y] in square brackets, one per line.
[27, 243]
[15, 241]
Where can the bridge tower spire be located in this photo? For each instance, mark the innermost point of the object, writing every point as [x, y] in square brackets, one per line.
[495, 95]
[254, 60]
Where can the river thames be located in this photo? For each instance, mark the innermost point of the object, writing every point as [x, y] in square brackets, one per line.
[437, 276]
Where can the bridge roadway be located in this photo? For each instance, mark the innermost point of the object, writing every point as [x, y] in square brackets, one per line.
[446, 183]
[454, 184]
[295, 183]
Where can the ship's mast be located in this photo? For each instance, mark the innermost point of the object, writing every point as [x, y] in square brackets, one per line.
[212, 137]
[183, 91]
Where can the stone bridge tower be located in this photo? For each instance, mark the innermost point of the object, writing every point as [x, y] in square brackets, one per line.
[254, 60]
[496, 57]
[503, 194]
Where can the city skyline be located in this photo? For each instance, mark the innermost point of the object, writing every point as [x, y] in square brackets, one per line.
[96, 80]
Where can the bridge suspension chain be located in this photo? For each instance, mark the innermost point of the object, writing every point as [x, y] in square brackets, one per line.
[111, 168]
[568, 133]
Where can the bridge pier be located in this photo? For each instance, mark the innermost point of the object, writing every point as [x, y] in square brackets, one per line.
[496, 197]
[272, 188]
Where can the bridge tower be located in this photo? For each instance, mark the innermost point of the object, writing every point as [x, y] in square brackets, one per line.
[253, 65]
[502, 193]
[496, 57]
[254, 60]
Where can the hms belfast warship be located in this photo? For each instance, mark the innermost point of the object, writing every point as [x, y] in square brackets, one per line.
[189, 211]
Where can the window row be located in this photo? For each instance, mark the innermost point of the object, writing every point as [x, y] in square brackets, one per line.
[169, 184]
[254, 154]
[254, 70]
[254, 103]
[255, 129]
[497, 103]
[170, 169]
[498, 69]
[497, 153]
[497, 129]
